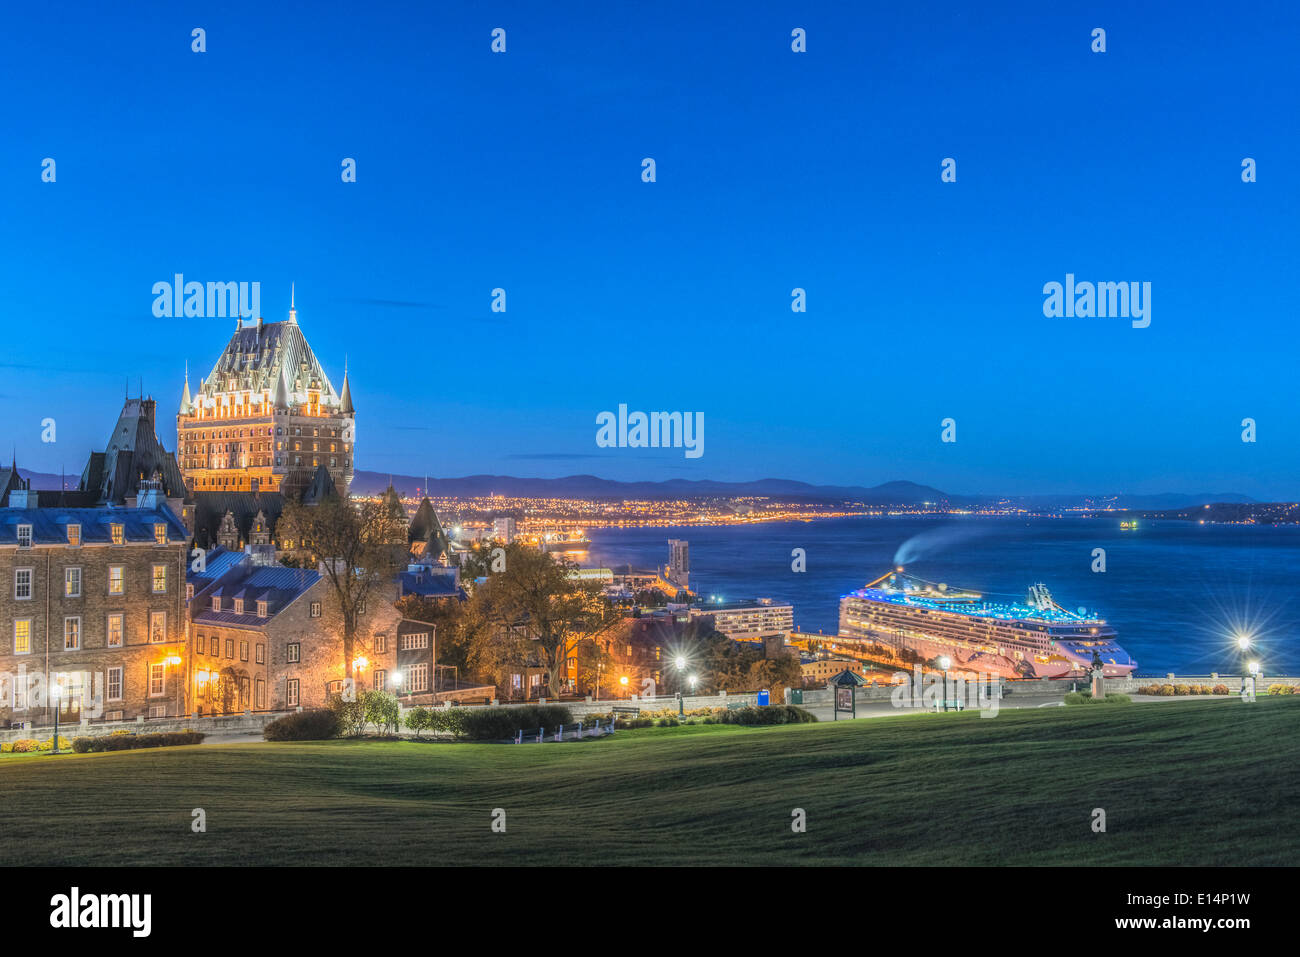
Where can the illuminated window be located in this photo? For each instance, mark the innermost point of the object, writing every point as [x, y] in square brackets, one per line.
[415, 642]
[117, 533]
[215, 648]
[116, 579]
[23, 636]
[157, 626]
[71, 634]
[261, 609]
[74, 534]
[115, 631]
[239, 606]
[160, 533]
[417, 678]
[72, 583]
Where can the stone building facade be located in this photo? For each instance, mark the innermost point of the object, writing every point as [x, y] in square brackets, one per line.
[92, 603]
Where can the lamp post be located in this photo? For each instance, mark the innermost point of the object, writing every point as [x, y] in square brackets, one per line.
[1254, 675]
[1243, 648]
[681, 703]
[55, 690]
[945, 663]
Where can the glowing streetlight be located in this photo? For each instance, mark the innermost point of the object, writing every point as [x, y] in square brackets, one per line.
[945, 663]
[56, 689]
[360, 663]
[1243, 641]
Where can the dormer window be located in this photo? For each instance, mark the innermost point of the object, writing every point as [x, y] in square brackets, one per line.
[74, 535]
[160, 533]
[239, 606]
[216, 603]
[261, 609]
[24, 536]
[117, 533]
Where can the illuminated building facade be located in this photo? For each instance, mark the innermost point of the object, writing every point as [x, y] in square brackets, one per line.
[266, 417]
[92, 600]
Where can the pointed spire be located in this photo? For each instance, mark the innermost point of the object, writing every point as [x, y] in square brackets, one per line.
[293, 311]
[187, 401]
[345, 397]
[281, 392]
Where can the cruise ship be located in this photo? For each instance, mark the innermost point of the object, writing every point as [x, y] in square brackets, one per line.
[1034, 639]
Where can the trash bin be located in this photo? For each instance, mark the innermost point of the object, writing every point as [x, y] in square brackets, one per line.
[764, 697]
[796, 696]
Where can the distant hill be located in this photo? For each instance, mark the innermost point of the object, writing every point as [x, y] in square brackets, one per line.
[594, 487]
[890, 493]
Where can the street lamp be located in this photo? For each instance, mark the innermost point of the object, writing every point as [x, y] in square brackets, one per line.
[396, 679]
[1254, 674]
[681, 701]
[55, 693]
[945, 663]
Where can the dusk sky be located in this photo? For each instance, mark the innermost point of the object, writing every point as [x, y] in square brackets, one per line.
[775, 170]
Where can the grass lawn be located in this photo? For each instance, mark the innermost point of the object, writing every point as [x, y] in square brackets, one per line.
[1198, 782]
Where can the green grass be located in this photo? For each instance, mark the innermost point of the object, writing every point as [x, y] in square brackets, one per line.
[1203, 782]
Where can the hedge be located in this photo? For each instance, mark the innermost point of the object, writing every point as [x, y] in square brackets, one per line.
[132, 742]
[496, 724]
[314, 725]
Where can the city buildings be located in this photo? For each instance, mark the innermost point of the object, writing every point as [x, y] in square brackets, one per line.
[92, 603]
[678, 570]
[748, 620]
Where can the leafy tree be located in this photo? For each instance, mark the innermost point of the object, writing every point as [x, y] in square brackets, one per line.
[359, 548]
[536, 599]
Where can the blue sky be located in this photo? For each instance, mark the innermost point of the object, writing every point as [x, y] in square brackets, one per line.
[775, 170]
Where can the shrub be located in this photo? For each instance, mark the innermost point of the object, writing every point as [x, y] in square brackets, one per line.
[419, 719]
[494, 724]
[669, 721]
[317, 724]
[449, 721]
[48, 744]
[382, 710]
[132, 742]
[1166, 691]
[351, 715]
[25, 746]
[1221, 689]
[1279, 689]
[765, 714]
[81, 745]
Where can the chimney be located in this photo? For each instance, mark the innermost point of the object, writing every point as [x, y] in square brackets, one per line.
[22, 498]
[150, 495]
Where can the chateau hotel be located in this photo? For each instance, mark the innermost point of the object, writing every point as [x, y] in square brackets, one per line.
[266, 417]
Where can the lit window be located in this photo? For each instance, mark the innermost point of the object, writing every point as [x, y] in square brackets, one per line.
[159, 579]
[23, 636]
[157, 626]
[116, 581]
[216, 603]
[72, 583]
[261, 609]
[117, 533]
[417, 678]
[115, 630]
[239, 606]
[160, 533]
[71, 634]
[74, 534]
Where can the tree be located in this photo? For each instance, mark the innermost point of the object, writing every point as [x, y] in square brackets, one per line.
[595, 667]
[537, 598]
[451, 622]
[358, 547]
